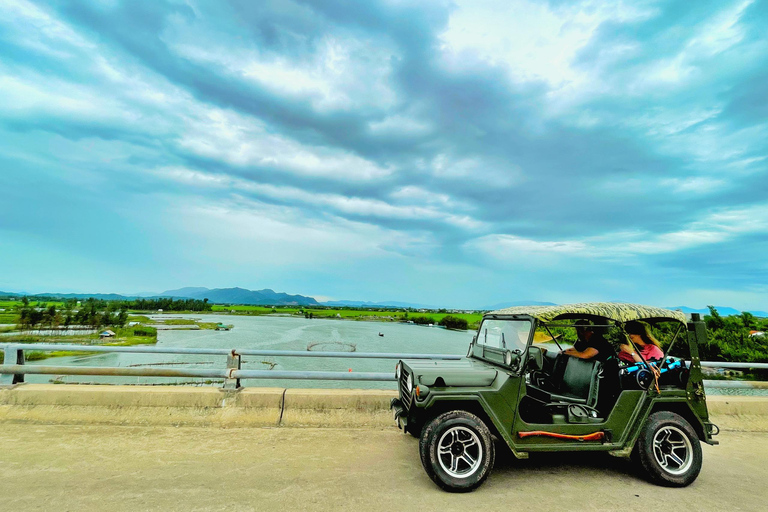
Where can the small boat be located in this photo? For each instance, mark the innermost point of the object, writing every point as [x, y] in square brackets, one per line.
[222, 327]
[381, 334]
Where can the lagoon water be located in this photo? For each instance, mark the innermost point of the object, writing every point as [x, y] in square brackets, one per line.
[292, 333]
[279, 333]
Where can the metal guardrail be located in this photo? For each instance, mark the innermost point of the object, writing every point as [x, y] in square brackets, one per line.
[14, 367]
[723, 364]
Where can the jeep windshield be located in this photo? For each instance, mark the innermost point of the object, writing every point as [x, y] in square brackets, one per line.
[504, 334]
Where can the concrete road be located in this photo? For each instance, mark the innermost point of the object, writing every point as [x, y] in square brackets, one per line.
[84, 468]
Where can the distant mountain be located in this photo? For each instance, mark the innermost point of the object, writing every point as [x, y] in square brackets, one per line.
[375, 304]
[504, 305]
[100, 296]
[183, 292]
[264, 297]
[723, 310]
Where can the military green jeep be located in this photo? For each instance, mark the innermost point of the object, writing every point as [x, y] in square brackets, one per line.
[517, 386]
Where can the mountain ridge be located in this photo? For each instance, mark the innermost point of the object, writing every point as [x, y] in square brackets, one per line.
[268, 297]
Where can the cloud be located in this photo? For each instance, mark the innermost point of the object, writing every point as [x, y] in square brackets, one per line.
[618, 139]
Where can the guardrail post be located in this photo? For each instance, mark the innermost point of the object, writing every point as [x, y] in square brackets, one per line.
[12, 355]
[233, 363]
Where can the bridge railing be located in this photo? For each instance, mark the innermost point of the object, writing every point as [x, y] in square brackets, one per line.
[13, 370]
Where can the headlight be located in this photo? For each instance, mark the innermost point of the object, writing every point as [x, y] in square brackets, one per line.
[409, 382]
[397, 371]
[508, 358]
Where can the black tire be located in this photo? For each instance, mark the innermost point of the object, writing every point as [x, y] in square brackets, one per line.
[457, 451]
[668, 450]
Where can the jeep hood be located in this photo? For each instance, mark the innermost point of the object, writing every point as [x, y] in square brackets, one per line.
[467, 372]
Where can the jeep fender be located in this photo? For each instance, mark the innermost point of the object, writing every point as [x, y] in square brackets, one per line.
[477, 404]
[679, 406]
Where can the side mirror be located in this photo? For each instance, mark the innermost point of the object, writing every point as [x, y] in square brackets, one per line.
[535, 359]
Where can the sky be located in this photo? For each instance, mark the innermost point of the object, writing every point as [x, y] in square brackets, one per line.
[458, 153]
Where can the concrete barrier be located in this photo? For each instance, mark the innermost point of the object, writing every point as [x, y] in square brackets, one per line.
[258, 407]
[199, 406]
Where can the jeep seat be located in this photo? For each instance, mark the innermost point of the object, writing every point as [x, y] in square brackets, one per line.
[573, 380]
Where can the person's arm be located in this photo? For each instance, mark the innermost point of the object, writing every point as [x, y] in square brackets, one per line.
[587, 353]
[629, 349]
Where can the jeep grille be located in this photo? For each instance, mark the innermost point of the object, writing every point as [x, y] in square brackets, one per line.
[405, 393]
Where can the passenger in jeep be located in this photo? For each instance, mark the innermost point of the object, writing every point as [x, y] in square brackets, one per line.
[646, 344]
[591, 344]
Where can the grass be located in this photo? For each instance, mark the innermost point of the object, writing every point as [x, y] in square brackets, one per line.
[175, 321]
[379, 314]
[140, 318]
[125, 337]
[391, 315]
[8, 318]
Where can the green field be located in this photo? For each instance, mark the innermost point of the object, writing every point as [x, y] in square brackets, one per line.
[382, 315]
[11, 316]
[125, 337]
[473, 319]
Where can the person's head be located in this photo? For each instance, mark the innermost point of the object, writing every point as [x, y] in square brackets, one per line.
[583, 329]
[640, 333]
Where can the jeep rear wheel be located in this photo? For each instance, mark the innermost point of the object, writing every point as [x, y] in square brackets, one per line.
[457, 451]
[668, 450]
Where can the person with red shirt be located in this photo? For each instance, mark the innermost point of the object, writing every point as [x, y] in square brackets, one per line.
[644, 344]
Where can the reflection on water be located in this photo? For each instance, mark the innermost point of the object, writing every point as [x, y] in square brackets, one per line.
[280, 333]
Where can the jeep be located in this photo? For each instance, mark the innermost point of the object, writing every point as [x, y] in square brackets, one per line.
[516, 386]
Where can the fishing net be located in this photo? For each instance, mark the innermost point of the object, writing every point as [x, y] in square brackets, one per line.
[331, 346]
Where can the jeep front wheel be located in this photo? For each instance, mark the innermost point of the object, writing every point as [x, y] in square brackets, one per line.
[457, 451]
[668, 450]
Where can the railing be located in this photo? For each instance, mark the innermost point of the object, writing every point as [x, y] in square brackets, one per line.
[13, 370]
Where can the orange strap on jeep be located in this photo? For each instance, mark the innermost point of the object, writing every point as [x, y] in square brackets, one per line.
[595, 436]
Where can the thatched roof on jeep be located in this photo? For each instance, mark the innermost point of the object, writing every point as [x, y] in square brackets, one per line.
[616, 311]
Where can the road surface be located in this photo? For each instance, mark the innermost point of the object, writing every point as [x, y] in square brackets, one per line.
[97, 468]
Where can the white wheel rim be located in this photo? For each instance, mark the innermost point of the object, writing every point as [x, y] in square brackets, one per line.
[459, 452]
[672, 450]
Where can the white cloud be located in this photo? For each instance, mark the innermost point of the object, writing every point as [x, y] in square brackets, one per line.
[476, 169]
[718, 227]
[529, 39]
[244, 141]
[340, 72]
[335, 203]
[400, 126]
[38, 30]
[694, 184]
[505, 246]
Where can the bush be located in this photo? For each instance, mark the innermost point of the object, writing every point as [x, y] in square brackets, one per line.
[451, 322]
[142, 331]
[423, 320]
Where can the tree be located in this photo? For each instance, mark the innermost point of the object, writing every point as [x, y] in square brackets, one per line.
[748, 319]
[122, 317]
[714, 320]
[452, 322]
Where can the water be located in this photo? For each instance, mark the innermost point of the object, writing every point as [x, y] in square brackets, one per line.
[279, 333]
[292, 333]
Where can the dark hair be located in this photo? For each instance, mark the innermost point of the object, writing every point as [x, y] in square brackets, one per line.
[643, 330]
[583, 324]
